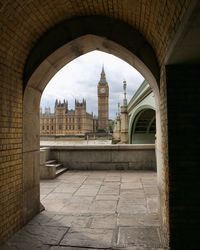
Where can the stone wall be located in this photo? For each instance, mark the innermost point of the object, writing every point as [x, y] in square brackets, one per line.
[106, 157]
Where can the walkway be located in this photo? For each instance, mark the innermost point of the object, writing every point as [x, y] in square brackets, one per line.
[94, 210]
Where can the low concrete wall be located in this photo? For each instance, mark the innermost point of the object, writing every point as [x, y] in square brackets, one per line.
[104, 157]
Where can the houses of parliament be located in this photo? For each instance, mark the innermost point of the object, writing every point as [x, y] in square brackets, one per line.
[76, 121]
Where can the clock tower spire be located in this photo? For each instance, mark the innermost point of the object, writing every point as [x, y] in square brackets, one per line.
[103, 101]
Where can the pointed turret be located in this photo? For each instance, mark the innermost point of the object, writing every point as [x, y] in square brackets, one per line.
[103, 77]
[84, 103]
[66, 105]
[56, 102]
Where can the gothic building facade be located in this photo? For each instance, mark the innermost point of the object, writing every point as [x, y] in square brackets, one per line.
[78, 121]
[64, 121]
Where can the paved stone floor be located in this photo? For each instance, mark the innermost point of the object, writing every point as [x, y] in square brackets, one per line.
[94, 210]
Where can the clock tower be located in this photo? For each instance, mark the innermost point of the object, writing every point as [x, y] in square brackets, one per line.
[103, 95]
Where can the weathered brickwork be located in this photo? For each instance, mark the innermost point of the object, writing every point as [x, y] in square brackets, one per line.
[11, 152]
[22, 23]
[156, 20]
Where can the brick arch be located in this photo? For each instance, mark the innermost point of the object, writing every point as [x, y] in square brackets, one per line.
[32, 93]
[161, 23]
[23, 25]
[109, 28]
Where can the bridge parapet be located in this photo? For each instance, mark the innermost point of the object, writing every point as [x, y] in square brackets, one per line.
[106, 157]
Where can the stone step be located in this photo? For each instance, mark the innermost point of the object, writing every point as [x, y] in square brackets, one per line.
[61, 171]
[55, 165]
[50, 162]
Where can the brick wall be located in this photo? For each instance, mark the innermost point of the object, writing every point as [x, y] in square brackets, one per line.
[11, 151]
[22, 24]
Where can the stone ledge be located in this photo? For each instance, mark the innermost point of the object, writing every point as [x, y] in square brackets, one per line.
[117, 147]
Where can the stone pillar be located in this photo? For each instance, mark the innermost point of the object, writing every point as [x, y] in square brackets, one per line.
[31, 154]
[116, 131]
[124, 124]
[183, 110]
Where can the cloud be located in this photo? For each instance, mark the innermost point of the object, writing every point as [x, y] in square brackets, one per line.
[79, 79]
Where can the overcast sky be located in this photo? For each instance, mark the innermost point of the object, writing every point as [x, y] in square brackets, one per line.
[79, 78]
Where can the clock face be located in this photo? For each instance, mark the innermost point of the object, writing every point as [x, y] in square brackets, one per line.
[102, 90]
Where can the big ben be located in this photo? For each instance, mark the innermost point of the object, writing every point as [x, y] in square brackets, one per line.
[103, 101]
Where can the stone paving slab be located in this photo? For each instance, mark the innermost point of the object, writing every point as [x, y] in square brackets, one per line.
[87, 190]
[58, 196]
[77, 205]
[36, 237]
[94, 210]
[91, 181]
[138, 237]
[95, 238]
[138, 220]
[112, 179]
[133, 193]
[52, 206]
[109, 189]
[131, 185]
[151, 191]
[152, 204]
[107, 197]
[131, 199]
[105, 221]
[131, 208]
[103, 207]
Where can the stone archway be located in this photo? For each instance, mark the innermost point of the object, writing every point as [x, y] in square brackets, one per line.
[32, 94]
[172, 29]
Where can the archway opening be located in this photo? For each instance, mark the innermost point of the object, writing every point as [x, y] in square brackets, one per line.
[36, 85]
[73, 105]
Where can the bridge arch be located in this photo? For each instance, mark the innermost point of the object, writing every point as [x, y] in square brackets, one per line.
[143, 127]
[134, 115]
